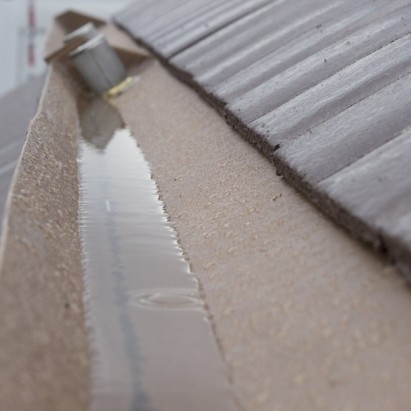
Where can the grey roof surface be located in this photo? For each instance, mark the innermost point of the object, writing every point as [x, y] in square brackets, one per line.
[17, 108]
[320, 87]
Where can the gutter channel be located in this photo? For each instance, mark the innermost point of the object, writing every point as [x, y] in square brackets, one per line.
[152, 343]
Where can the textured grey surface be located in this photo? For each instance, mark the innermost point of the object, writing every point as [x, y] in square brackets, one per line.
[320, 87]
[17, 108]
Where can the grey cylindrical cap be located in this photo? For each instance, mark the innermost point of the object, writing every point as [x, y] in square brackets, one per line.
[85, 32]
[98, 64]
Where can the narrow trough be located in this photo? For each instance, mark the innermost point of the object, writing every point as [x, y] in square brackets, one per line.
[152, 341]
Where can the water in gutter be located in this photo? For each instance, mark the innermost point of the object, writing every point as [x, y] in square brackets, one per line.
[151, 339]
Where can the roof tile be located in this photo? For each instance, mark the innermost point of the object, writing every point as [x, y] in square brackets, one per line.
[321, 87]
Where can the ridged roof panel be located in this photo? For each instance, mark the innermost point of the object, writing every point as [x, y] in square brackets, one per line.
[321, 87]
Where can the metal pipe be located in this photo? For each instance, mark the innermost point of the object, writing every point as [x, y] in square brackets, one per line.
[85, 33]
[98, 64]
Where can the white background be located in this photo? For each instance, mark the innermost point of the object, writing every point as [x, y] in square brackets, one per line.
[14, 68]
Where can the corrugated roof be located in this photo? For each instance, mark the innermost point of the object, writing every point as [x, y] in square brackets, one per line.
[321, 87]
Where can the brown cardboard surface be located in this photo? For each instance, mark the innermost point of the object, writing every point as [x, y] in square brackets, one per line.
[44, 363]
[304, 316]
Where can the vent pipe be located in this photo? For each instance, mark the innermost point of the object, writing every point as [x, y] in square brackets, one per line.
[96, 60]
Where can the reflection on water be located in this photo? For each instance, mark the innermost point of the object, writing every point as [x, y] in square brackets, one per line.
[153, 346]
[170, 299]
[99, 121]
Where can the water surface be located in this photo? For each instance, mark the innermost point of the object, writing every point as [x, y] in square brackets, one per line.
[153, 347]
